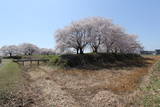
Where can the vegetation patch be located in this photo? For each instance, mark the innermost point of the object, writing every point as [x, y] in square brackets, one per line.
[12, 57]
[151, 97]
[101, 60]
[10, 74]
[10, 81]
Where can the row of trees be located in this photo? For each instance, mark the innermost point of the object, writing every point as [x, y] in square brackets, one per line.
[97, 34]
[25, 49]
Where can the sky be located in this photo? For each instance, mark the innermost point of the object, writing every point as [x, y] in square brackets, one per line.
[35, 21]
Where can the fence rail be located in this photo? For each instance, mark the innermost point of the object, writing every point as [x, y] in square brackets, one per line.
[30, 60]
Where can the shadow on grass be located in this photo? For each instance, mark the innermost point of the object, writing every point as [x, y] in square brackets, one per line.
[103, 61]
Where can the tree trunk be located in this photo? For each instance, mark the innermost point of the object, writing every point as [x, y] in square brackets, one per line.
[81, 51]
[10, 54]
[95, 50]
[116, 50]
[107, 51]
[77, 51]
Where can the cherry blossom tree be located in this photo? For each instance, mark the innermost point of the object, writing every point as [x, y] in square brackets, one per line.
[45, 51]
[74, 36]
[9, 50]
[98, 34]
[99, 28]
[28, 48]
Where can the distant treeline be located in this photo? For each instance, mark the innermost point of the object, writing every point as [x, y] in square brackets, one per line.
[24, 49]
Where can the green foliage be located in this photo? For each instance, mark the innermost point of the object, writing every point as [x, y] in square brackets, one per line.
[53, 59]
[10, 75]
[152, 96]
[12, 57]
[10, 81]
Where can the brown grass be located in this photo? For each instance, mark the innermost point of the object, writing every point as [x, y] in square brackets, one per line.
[129, 82]
[88, 88]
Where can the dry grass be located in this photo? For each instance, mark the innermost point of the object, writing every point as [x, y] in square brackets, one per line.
[130, 81]
[151, 88]
[87, 88]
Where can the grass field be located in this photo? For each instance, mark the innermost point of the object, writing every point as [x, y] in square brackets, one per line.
[46, 86]
[151, 96]
[91, 88]
[10, 81]
[10, 75]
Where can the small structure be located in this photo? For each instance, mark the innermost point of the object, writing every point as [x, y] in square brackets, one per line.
[30, 60]
[0, 60]
[157, 51]
[148, 52]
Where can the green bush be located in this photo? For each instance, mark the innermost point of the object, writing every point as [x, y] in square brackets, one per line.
[53, 59]
[12, 57]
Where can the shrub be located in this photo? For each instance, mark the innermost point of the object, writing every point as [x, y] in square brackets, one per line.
[76, 60]
[53, 59]
[12, 57]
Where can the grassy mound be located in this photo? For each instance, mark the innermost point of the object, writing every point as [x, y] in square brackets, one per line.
[98, 60]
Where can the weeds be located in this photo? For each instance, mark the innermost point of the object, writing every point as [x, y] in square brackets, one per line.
[151, 97]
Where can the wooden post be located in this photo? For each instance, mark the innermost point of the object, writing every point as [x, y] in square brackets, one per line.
[23, 63]
[38, 62]
[31, 62]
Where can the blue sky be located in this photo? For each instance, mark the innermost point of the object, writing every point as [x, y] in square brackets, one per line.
[35, 21]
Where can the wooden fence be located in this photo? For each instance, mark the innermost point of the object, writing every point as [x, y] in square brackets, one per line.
[30, 60]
